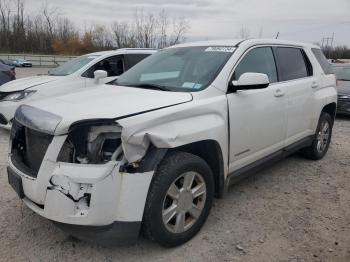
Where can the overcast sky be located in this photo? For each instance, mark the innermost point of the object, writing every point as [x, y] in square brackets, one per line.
[304, 20]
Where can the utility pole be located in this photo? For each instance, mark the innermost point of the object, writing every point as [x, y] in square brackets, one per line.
[327, 45]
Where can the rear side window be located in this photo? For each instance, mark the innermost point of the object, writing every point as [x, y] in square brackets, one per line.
[133, 59]
[326, 66]
[258, 60]
[293, 63]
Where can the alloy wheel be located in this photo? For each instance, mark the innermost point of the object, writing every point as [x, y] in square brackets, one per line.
[184, 202]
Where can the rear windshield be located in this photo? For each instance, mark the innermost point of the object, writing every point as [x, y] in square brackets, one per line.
[326, 66]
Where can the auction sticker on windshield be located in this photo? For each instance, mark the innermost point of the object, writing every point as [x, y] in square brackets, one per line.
[227, 49]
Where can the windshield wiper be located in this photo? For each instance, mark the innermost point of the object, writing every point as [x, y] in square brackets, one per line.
[343, 79]
[151, 86]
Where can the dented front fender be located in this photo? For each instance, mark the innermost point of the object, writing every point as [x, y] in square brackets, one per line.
[176, 126]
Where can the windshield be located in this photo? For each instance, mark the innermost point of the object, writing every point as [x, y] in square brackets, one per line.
[342, 73]
[71, 66]
[178, 69]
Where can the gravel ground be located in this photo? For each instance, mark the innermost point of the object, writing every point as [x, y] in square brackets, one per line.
[297, 210]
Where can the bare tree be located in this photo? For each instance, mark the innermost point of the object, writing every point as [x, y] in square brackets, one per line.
[49, 32]
[50, 15]
[163, 24]
[180, 28]
[124, 34]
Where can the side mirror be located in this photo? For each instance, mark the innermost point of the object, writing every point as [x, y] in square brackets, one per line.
[249, 81]
[100, 74]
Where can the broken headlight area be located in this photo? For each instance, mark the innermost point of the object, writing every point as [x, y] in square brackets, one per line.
[96, 144]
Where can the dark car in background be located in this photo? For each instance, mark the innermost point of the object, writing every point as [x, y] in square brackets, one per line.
[7, 62]
[22, 63]
[342, 73]
[7, 73]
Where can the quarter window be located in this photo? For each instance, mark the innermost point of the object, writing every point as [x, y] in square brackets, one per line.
[326, 66]
[293, 63]
[258, 60]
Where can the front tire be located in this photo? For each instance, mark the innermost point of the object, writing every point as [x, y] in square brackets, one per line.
[322, 139]
[179, 199]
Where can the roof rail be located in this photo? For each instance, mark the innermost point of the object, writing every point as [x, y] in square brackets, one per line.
[128, 48]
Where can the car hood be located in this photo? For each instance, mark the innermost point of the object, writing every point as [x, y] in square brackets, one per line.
[28, 82]
[103, 102]
[343, 87]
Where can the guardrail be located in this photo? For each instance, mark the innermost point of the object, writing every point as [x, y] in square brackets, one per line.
[39, 60]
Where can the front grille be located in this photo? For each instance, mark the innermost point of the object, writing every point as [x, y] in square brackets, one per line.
[3, 120]
[28, 148]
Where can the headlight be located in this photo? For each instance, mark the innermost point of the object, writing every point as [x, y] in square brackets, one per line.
[94, 144]
[16, 96]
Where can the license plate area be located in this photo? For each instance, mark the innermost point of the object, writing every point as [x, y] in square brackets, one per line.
[16, 182]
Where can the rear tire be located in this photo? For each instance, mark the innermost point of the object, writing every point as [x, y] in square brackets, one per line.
[321, 140]
[179, 199]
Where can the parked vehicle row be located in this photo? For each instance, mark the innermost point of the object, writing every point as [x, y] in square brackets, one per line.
[7, 74]
[7, 62]
[342, 72]
[83, 72]
[149, 151]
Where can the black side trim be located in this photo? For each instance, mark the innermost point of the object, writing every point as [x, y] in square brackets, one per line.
[268, 160]
[149, 162]
[117, 233]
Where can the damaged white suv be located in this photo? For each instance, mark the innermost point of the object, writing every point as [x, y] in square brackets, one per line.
[152, 150]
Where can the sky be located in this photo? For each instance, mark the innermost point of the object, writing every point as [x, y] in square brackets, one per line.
[302, 20]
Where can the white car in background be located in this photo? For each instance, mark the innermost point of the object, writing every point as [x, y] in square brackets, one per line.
[77, 74]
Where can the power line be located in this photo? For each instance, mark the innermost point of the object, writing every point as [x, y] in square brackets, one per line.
[316, 28]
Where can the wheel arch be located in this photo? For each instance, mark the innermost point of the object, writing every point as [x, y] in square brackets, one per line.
[331, 109]
[210, 151]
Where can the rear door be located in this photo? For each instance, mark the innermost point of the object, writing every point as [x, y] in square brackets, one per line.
[296, 78]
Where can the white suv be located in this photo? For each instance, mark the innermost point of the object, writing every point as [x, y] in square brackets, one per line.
[152, 150]
[75, 75]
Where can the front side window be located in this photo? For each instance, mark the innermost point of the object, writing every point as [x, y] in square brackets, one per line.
[72, 66]
[258, 60]
[178, 69]
[292, 63]
[114, 66]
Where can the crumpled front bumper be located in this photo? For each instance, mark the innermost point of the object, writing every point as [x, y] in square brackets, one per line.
[92, 202]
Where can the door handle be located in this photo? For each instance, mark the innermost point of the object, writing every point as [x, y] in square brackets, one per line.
[279, 92]
[314, 85]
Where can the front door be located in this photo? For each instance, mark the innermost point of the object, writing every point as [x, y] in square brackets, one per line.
[257, 117]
